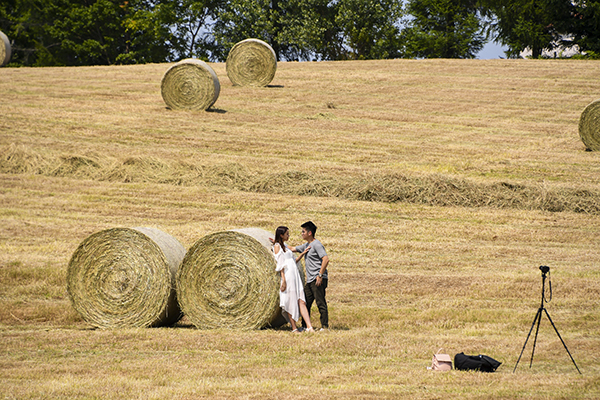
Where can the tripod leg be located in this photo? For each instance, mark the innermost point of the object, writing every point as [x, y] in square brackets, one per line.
[536, 335]
[537, 315]
[563, 342]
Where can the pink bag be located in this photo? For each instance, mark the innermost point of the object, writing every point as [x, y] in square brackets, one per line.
[441, 362]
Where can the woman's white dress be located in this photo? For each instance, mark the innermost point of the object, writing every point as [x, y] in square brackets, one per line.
[288, 299]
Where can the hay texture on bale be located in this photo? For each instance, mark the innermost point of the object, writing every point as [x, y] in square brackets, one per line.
[5, 51]
[589, 126]
[125, 277]
[228, 280]
[190, 85]
[251, 62]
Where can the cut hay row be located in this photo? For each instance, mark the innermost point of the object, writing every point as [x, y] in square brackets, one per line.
[5, 50]
[432, 189]
[589, 126]
[125, 277]
[228, 280]
[251, 62]
[190, 85]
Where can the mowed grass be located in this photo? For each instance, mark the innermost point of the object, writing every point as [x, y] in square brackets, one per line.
[85, 149]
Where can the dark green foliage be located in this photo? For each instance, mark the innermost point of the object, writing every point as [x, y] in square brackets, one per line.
[189, 21]
[370, 28]
[523, 24]
[546, 25]
[104, 32]
[307, 30]
[17, 21]
[243, 19]
[443, 29]
[85, 32]
[296, 29]
[583, 23]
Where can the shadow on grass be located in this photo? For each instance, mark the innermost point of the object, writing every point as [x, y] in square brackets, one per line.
[216, 110]
[211, 109]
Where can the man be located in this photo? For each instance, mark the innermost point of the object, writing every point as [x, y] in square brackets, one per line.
[316, 261]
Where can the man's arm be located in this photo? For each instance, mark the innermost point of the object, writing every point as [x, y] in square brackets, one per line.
[324, 262]
[299, 248]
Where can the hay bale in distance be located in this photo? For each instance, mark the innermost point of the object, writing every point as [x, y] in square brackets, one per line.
[228, 280]
[125, 277]
[589, 126]
[5, 51]
[251, 62]
[190, 85]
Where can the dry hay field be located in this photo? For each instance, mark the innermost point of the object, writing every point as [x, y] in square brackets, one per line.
[439, 187]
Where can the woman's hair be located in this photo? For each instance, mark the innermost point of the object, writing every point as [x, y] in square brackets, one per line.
[278, 236]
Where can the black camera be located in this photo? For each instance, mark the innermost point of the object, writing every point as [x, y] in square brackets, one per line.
[545, 269]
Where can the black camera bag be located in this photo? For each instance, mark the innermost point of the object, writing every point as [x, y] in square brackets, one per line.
[478, 363]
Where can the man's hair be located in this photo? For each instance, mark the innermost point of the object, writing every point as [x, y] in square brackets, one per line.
[309, 226]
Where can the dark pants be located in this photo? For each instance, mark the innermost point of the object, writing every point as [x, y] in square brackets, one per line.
[313, 292]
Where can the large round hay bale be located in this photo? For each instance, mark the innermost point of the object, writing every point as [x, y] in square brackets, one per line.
[228, 280]
[125, 277]
[5, 51]
[190, 85]
[251, 62]
[589, 126]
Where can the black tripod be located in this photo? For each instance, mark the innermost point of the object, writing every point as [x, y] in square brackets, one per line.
[538, 318]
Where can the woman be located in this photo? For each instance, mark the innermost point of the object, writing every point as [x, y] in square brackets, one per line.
[291, 295]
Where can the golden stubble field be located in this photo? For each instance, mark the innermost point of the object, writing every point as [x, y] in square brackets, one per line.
[438, 186]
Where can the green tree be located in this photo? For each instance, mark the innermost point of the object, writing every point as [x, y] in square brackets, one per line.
[242, 19]
[581, 25]
[313, 29]
[189, 20]
[106, 32]
[295, 29]
[14, 14]
[370, 28]
[526, 24]
[86, 32]
[442, 29]
[19, 20]
[148, 35]
[308, 30]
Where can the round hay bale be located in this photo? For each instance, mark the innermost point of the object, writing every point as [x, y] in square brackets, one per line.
[125, 277]
[228, 280]
[190, 85]
[5, 51]
[251, 62]
[589, 126]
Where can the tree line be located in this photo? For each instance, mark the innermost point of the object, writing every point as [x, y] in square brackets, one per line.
[106, 32]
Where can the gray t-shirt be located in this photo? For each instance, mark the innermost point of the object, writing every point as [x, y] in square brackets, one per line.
[313, 259]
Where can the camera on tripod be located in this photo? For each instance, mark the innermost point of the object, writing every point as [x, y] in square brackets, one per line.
[538, 318]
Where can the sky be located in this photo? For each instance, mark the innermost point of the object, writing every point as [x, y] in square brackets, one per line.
[491, 50]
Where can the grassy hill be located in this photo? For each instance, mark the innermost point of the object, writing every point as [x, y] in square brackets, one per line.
[438, 186]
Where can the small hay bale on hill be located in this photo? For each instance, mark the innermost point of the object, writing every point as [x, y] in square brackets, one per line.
[190, 85]
[125, 277]
[228, 280]
[251, 62]
[589, 126]
[5, 50]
